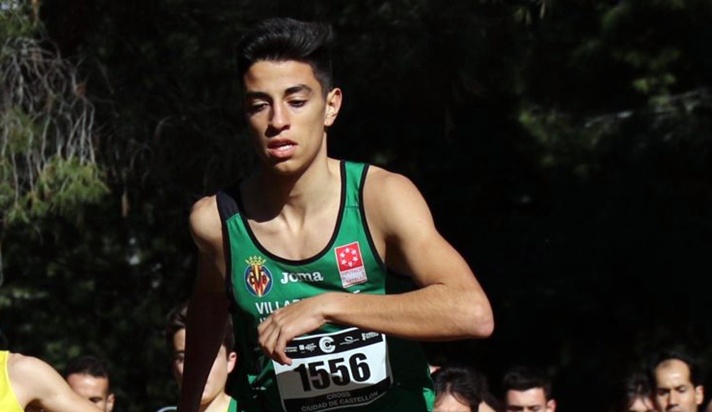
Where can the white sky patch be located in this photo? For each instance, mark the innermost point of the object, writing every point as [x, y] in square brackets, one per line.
[9, 4]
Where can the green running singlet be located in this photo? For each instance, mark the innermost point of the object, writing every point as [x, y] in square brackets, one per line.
[336, 367]
[232, 407]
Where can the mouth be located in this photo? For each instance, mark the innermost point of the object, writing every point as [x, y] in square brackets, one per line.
[281, 148]
[280, 144]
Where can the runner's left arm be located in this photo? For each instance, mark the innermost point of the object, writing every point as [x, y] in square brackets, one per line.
[449, 303]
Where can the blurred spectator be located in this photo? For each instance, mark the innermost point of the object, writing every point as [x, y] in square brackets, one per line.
[635, 394]
[89, 378]
[462, 388]
[456, 389]
[527, 389]
[677, 383]
[214, 398]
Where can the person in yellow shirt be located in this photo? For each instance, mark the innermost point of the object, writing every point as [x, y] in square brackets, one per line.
[29, 383]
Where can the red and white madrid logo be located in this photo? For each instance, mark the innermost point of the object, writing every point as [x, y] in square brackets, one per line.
[350, 262]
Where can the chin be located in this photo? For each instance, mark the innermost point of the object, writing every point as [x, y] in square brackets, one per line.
[286, 167]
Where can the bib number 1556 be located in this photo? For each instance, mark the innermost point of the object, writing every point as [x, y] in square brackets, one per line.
[339, 371]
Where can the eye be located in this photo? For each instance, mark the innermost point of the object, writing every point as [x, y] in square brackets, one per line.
[255, 107]
[297, 103]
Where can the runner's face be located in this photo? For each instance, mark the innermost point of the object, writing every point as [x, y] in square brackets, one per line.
[217, 379]
[287, 113]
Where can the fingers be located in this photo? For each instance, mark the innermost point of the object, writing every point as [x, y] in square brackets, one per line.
[279, 351]
[268, 335]
[273, 340]
[287, 323]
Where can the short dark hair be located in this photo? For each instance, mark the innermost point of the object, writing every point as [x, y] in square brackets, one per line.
[524, 377]
[284, 39]
[679, 354]
[635, 385]
[177, 320]
[87, 365]
[460, 381]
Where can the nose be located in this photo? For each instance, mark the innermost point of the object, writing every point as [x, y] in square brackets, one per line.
[280, 117]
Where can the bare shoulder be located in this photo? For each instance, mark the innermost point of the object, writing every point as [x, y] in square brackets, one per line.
[38, 386]
[382, 178]
[20, 366]
[205, 224]
[384, 188]
[24, 372]
[391, 198]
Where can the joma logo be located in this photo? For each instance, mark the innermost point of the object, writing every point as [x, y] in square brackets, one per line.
[301, 277]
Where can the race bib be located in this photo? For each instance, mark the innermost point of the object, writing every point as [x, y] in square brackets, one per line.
[334, 370]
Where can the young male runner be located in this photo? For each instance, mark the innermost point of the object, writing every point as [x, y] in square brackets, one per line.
[334, 268]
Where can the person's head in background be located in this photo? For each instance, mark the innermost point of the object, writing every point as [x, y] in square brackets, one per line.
[88, 376]
[527, 389]
[224, 361]
[676, 380]
[635, 394]
[456, 389]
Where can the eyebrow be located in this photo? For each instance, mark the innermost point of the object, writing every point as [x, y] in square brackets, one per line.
[298, 89]
[287, 92]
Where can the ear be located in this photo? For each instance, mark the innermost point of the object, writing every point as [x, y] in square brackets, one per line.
[699, 394]
[333, 105]
[231, 361]
[551, 405]
[110, 402]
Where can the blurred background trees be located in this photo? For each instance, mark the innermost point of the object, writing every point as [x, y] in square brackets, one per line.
[564, 148]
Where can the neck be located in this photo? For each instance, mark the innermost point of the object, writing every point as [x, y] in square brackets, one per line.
[269, 194]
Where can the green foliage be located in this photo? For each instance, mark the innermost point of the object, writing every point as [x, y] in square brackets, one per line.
[22, 129]
[16, 20]
[46, 129]
[66, 184]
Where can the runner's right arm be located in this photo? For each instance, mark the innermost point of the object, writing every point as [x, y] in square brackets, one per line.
[208, 304]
